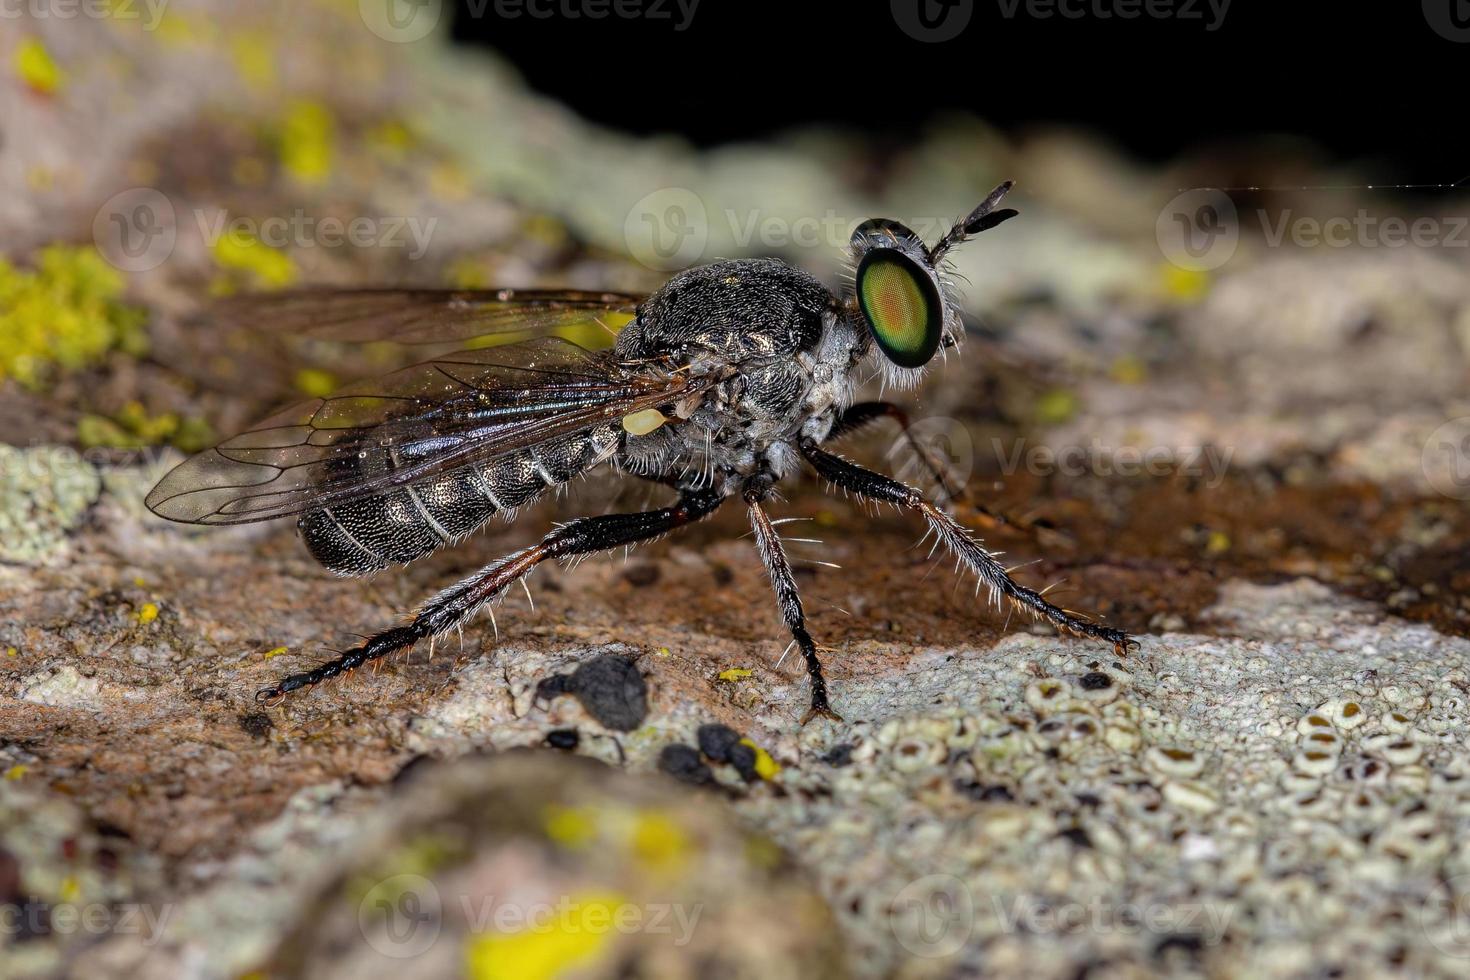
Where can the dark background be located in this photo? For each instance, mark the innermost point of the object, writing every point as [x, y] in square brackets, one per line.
[1371, 84]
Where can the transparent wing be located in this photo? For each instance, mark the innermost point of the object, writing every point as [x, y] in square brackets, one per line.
[408, 426]
[426, 316]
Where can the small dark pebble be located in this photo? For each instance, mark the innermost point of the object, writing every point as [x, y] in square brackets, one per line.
[982, 793]
[722, 574]
[839, 755]
[553, 687]
[257, 724]
[716, 741]
[609, 686]
[641, 575]
[565, 739]
[684, 764]
[1095, 681]
[743, 757]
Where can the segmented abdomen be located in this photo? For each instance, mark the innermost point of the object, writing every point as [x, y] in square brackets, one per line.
[367, 535]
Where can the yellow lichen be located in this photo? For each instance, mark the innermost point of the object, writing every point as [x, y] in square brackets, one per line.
[315, 382]
[242, 253]
[765, 766]
[571, 827]
[254, 59]
[147, 613]
[733, 674]
[307, 139]
[573, 937]
[275, 652]
[132, 427]
[36, 68]
[1188, 285]
[659, 842]
[64, 315]
[1056, 406]
[16, 772]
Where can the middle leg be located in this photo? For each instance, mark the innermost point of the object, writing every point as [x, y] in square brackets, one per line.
[773, 556]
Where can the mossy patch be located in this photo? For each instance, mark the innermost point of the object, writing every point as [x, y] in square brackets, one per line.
[63, 315]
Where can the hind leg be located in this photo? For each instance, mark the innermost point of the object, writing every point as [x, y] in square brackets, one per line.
[462, 600]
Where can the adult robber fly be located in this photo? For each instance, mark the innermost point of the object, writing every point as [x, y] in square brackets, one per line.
[723, 382]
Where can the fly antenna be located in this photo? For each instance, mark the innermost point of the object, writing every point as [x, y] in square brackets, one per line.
[983, 218]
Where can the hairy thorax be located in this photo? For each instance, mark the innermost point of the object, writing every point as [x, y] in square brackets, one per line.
[784, 351]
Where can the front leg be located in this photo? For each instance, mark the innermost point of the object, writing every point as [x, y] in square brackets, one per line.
[773, 556]
[961, 542]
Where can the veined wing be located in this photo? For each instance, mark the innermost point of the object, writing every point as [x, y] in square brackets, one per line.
[427, 316]
[407, 427]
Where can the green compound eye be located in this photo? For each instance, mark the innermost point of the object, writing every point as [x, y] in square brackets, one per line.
[901, 303]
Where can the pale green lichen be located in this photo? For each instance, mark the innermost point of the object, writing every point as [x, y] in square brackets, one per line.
[63, 315]
[44, 493]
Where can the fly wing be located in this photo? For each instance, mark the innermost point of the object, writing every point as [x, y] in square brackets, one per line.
[407, 427]
[427, 316]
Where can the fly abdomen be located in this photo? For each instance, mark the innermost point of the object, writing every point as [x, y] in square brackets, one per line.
[397, 527]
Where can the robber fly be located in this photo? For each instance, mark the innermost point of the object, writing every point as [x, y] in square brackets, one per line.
[720, 385]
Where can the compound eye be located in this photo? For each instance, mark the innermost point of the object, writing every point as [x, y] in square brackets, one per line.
[901, 303]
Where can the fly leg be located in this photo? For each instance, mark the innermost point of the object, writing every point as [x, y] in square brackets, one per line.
[952, 495]
[773, 556]
[860, 415]
[462, 600]
[961, 542]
